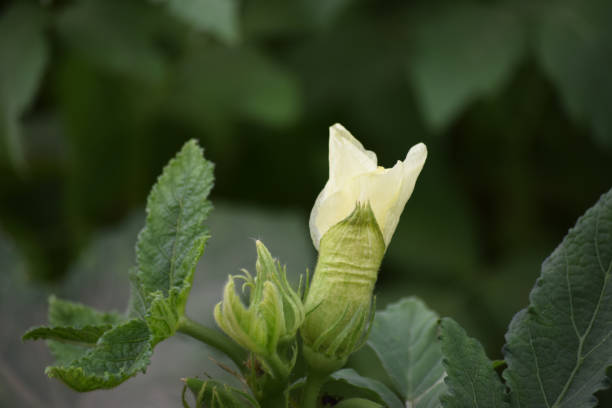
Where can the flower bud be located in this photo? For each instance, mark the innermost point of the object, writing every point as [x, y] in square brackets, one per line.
[338, 303]
[351, 224]
[274, 311]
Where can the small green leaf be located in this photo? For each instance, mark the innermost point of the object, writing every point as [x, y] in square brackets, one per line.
[24, 54]
[87, 335]
[405, 338]
[74, 314]
[118, 355]
[171, 244]
[558, 349]
[471, 380]
[451, 46]
[213, 394]
[219, 17]
[367, 387]
[68, 321]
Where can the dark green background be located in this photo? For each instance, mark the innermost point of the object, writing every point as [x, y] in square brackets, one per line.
[512, 98]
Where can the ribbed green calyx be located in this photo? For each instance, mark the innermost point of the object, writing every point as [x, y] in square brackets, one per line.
[274, 311]
[338, 304]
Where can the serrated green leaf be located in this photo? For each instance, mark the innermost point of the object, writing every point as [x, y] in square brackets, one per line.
[219, 17]
[404, 337]
[24, 54]
[118, 355]
[558, 348]
[213, 394]
[572, 45]
[368, 387]
[171, 244]
[451, 46]
[471, 380]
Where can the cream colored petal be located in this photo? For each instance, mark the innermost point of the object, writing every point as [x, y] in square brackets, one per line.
[328, 210]
[411, 168]
[347, 157]
[382, 188]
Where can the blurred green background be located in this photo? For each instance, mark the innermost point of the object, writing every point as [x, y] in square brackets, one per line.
[512, 98]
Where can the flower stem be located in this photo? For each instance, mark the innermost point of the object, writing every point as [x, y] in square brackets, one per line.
[213, 338]
[314, 382]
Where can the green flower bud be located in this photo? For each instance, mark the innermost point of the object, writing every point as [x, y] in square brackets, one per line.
[338, 303]
[274, 312]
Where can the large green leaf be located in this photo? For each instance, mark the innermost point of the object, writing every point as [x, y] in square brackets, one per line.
[472, 382]
[24, 54]
[404, 336]
[573, 46]
[364, 387]
[171, 244]
[558, 349]
[462, 52]
[118, 355]
[219, 17]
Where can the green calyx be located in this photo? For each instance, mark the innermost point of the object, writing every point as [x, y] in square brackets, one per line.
[273, 316]
[339, 301]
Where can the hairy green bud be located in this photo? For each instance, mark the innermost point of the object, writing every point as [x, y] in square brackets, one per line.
[339, 301]
[274, 312]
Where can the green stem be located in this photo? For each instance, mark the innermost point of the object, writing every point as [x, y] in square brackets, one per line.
[314, 382]
[213, 338]
[357, 403]
[274, 401]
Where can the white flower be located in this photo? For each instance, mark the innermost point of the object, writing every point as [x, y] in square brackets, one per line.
[354, 176]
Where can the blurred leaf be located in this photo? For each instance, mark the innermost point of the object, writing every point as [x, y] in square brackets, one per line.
[558, 349]
[118, 355]
[404, 337]
[215, 84]
[171, 244]
[574, 48]
[462, 52]
[24, 54]
[219, 17]
[471, 380]
[323, 12]
[368, 387]
[118, 35]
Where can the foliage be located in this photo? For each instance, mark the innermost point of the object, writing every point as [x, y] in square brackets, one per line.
[556, 352]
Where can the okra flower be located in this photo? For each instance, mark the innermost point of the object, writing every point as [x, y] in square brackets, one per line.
[351, 224]
[354, 176]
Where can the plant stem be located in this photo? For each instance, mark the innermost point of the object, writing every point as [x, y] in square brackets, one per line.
[213, 338]
[314, 382]
[275, 401]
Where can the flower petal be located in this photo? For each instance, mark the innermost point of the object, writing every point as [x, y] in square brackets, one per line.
[347, 156]
[411, 168]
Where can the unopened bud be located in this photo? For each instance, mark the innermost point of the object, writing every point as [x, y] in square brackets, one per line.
[274, 310]
[339, 300]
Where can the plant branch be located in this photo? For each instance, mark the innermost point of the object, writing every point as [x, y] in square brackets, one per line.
[213, 338]
[314, 382]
